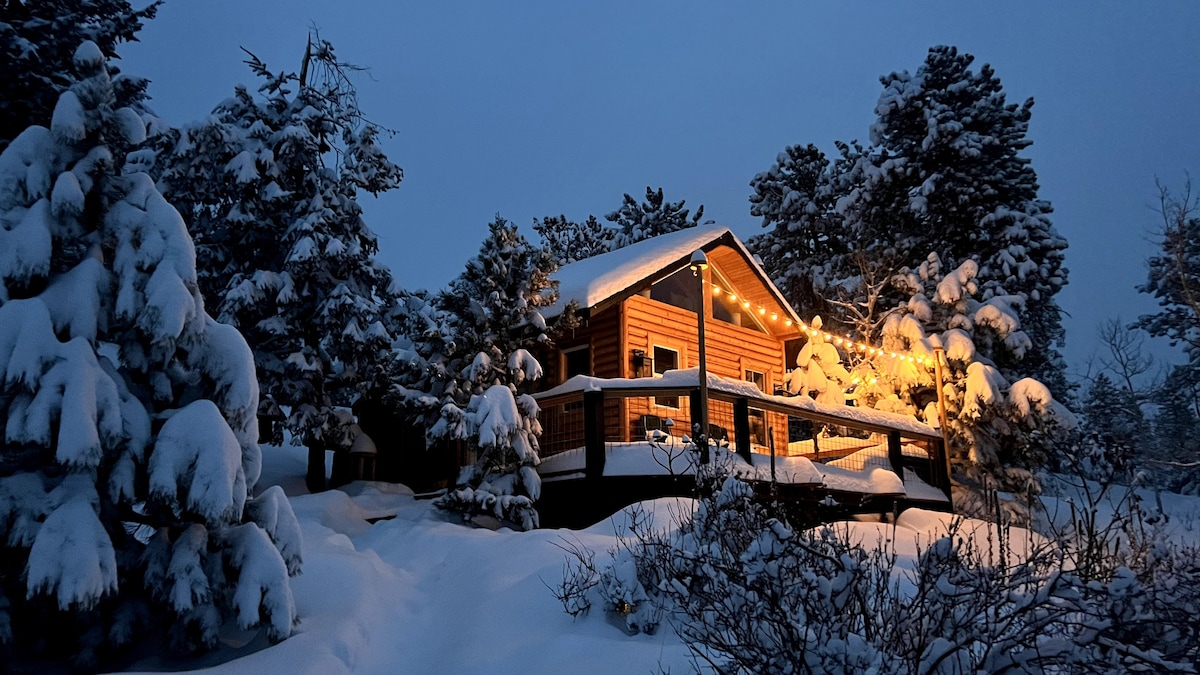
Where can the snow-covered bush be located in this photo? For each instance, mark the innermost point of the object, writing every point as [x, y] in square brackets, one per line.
[750, 593]
[818, 371]
[124, 404]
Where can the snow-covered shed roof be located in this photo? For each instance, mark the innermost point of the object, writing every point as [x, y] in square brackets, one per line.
[611, 277]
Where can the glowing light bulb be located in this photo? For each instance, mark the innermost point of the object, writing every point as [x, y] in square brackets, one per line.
[762, 310]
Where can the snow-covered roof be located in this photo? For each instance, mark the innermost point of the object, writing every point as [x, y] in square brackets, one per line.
[690, 377]
[591, 281]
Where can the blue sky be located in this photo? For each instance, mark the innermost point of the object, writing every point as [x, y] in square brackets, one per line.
[539, 108]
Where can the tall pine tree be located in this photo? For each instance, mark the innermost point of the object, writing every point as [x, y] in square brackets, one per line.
[1176, 448]
[804, 245]
[945, 174]
[270, 184]
[637, 221]
[569, 241]
[130, 451]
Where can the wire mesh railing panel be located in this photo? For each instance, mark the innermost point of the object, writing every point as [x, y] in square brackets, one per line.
[562, 427]
[628, 421]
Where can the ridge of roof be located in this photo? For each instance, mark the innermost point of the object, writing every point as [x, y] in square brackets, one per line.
[591, 281]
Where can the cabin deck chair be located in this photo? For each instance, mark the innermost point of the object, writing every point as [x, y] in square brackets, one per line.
[649, 423]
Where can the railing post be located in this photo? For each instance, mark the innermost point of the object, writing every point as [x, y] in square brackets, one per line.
[941, 466]
[696, 410]
[741, 428]
[896, 454]
[593, 433]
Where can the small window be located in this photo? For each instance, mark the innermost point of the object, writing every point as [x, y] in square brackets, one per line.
[758, 379]
[791, 352]
[758, 427]
[730, 307]
[577, 361]
[664, 360]
[680, 290]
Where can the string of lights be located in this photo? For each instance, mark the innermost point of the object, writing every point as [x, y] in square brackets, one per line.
[847, 343]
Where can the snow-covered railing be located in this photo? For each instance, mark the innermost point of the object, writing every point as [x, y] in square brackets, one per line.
[587, 415]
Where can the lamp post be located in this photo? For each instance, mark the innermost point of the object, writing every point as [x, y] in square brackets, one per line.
[698, 264]
[939, 355]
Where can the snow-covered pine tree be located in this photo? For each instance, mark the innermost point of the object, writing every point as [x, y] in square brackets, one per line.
[635, 222]
[569, 241]
[124, 405]
[494, 311]
[270, 184]
[999, 430]
[37, 41]
[1176, 451]
[422, 369]
[945, 173]
[804, 246]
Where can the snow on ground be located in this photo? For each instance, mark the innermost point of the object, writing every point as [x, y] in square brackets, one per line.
[391, 585]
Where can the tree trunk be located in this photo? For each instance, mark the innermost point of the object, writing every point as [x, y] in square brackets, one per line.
[315, 478]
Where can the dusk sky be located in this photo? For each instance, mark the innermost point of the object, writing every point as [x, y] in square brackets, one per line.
[532, 109]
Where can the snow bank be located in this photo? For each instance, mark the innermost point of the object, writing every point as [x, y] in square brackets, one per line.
[416, 593]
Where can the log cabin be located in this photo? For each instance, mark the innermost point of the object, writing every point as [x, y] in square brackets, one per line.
[626, 380]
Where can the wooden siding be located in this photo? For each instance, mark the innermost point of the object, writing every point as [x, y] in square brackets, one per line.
[601, 333]
[745, 281]
[731, 351]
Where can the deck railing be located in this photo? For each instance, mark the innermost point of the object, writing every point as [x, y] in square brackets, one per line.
[591, 420]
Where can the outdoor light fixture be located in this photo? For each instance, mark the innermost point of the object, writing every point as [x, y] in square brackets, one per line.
[699, 261]
[639, 362]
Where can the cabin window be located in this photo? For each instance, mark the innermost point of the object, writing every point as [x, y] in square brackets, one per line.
[758, 427]
[759, 379]
[681, 290]
[665, 359]
[730, 307]
[577, 361]
[791, 352]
